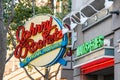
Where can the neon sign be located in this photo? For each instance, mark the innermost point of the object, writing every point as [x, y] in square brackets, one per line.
[38, 38]
[90, 46]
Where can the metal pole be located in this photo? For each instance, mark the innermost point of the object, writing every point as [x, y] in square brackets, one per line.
[54, 7]
[33, 7]
[46, 73]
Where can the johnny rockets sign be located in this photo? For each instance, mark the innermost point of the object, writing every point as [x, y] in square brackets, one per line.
[41, 42]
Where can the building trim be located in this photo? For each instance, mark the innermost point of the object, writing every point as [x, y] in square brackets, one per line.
[97, 65]
[92, 61]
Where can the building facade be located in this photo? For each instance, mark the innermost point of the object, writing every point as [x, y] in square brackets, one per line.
[96, 50]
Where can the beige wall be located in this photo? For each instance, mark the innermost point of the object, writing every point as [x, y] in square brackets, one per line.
[19, 73]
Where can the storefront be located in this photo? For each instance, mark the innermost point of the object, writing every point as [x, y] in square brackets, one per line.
[95, 60]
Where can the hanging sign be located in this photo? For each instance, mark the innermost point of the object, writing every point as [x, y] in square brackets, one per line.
[41, 42]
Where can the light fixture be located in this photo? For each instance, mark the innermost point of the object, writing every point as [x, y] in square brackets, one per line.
[108, 4]
[76, 19]
[83, 18]
[72, 25]
[117, 12]
[64, 30]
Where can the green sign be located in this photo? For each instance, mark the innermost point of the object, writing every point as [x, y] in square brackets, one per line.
[90, 46]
